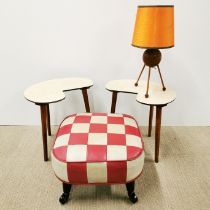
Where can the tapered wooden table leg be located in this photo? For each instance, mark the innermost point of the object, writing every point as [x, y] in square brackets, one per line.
[157, 132]
[43, 109]
[86, 101]
[48, 120]
[114, 101]
[150, 120]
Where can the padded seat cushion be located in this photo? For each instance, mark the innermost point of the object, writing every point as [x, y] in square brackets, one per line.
[98, 148]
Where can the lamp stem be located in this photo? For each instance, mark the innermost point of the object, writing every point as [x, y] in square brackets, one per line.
[136, 84]
[147, 95]
[164, 88]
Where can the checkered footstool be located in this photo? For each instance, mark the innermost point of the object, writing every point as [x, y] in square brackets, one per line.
[98, 148]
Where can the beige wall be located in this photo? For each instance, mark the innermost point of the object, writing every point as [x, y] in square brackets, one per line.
[45, 39]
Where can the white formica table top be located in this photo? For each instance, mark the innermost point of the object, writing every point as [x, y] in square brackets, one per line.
[53, 90]
[156, 95]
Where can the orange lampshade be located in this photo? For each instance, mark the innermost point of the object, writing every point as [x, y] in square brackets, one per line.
[154, 27]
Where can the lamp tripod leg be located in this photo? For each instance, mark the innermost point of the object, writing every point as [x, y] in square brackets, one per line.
[136, 84]
[147, 95]
[164, 88]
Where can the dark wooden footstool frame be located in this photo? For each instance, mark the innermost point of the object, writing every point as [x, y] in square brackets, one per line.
[67, 189]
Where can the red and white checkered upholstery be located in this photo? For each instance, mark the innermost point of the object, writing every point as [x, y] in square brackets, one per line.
[98, 148]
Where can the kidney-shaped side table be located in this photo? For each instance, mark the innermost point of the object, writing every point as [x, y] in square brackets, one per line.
[52, 91]
[157, 98]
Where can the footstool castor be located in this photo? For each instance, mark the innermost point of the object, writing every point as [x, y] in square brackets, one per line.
[99, 149]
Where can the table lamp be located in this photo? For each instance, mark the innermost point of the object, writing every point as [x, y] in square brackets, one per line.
[154, 30]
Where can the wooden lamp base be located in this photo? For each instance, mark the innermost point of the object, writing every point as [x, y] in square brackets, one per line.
[151, 58]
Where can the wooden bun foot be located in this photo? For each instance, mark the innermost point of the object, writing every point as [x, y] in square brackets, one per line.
[133, 198]
[64, 198]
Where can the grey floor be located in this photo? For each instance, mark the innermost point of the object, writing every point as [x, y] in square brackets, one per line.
[181, 180]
